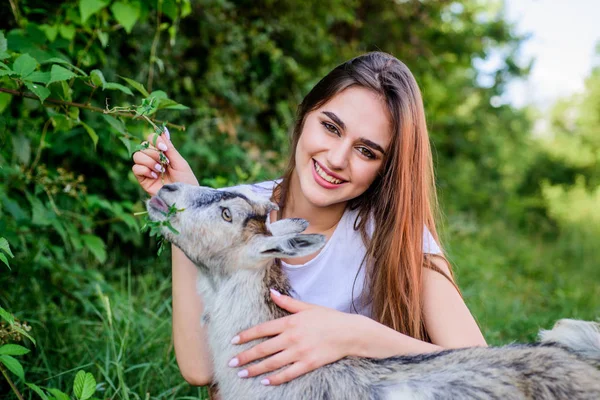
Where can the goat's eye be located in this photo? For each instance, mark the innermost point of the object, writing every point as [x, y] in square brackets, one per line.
[226, 214]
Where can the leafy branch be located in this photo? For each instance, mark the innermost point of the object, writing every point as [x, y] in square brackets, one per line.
[155, 227]
[126, 114]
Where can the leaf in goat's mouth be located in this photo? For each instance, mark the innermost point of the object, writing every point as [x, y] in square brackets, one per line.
[159, 204]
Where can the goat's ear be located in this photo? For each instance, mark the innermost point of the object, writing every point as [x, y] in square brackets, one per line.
[288, 246]
[288, 226]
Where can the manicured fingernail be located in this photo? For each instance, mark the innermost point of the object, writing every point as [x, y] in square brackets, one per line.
[234, 362]
[243, 373]
[265, 382]
[275, 292]
[163, 146]
[235, 340]
[159, 168]
[154, 174]
[167, 133]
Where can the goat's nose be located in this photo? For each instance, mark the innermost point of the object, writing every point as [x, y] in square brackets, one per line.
[170, 188]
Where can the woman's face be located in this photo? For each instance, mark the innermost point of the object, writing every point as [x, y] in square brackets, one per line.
[342, 147]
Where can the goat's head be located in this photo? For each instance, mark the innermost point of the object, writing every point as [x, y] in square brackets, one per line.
[226, 230]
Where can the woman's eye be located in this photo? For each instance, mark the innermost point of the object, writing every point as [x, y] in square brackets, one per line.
[331, 128]
[366, 152]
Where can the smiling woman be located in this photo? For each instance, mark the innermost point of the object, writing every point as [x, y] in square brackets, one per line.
[360, 172]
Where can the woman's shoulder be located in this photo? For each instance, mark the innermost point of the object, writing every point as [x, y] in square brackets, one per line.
[430, 245]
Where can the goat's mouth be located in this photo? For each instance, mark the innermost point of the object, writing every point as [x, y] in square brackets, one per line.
[158, 204]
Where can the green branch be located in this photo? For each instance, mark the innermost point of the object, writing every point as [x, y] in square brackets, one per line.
[88, 107]
[10, 382]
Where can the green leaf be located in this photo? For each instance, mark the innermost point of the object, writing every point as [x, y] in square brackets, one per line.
[7, 316]
[39, 77]
[5, 246]
[103, 37]
[4, 55]
[3, 42]
[5, 260]
[126, 14]
[38, 390]
[24, 65]
[127, 143]
[96, 247]
[118, 86]
[5, 72]
[59, 74]
[97, 78]
[51, 31]
[67, 31]
[87, 8]
[140, 88]
[58, 395]
[13, 366]
[40, 91]
[91, 132]
[56, 60]
[117, 124]
[24, 333]
[84, 385]
[13, 350]
[5, 100]
[40, 214]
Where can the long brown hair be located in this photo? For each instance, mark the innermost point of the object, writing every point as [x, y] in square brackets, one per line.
[401, 200]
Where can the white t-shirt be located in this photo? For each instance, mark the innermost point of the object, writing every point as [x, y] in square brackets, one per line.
[334, 278]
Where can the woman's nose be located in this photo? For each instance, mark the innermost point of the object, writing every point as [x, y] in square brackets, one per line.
[338, 157]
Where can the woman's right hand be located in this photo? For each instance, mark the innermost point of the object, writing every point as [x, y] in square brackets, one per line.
[147, 167]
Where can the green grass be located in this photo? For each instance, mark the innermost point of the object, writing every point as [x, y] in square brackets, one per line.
[118, 326]
[516, 285]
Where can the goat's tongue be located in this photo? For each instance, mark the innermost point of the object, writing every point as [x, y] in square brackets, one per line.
[159, 204]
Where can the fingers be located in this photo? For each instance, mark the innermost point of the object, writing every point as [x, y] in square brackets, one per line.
[143, 159]
[141, 172]
[163, 143]
[259, 351]
[266, 329]
[288, 303]
[292, 372]
[270, 364]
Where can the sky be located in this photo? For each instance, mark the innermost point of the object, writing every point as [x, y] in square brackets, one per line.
[563, 42]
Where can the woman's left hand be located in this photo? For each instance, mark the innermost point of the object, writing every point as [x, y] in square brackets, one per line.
[311, 337]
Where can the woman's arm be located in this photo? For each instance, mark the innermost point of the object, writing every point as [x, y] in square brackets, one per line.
[314, 336]
[191, 347]
[448, 321]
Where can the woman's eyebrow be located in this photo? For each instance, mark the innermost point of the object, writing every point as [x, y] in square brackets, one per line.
[372, 144]
[366, 141]
[335, 119]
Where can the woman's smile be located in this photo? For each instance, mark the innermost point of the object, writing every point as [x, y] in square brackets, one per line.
[326, 178]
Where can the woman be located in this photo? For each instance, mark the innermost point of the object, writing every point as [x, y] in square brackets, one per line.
[361, 173]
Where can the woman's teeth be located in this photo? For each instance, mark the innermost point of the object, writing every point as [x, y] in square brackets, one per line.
[325, 176]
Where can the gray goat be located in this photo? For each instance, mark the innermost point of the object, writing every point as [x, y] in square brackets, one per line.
[225, 234]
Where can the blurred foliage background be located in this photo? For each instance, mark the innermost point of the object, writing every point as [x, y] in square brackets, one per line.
[521, 210]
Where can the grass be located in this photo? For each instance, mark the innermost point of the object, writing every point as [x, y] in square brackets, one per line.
[118, 327]
[516, 285]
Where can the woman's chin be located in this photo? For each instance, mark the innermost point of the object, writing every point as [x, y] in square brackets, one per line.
[321, 197]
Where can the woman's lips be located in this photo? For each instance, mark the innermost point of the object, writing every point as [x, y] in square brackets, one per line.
[322, 181]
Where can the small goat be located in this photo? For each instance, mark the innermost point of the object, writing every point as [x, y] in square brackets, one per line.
[225, 234]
